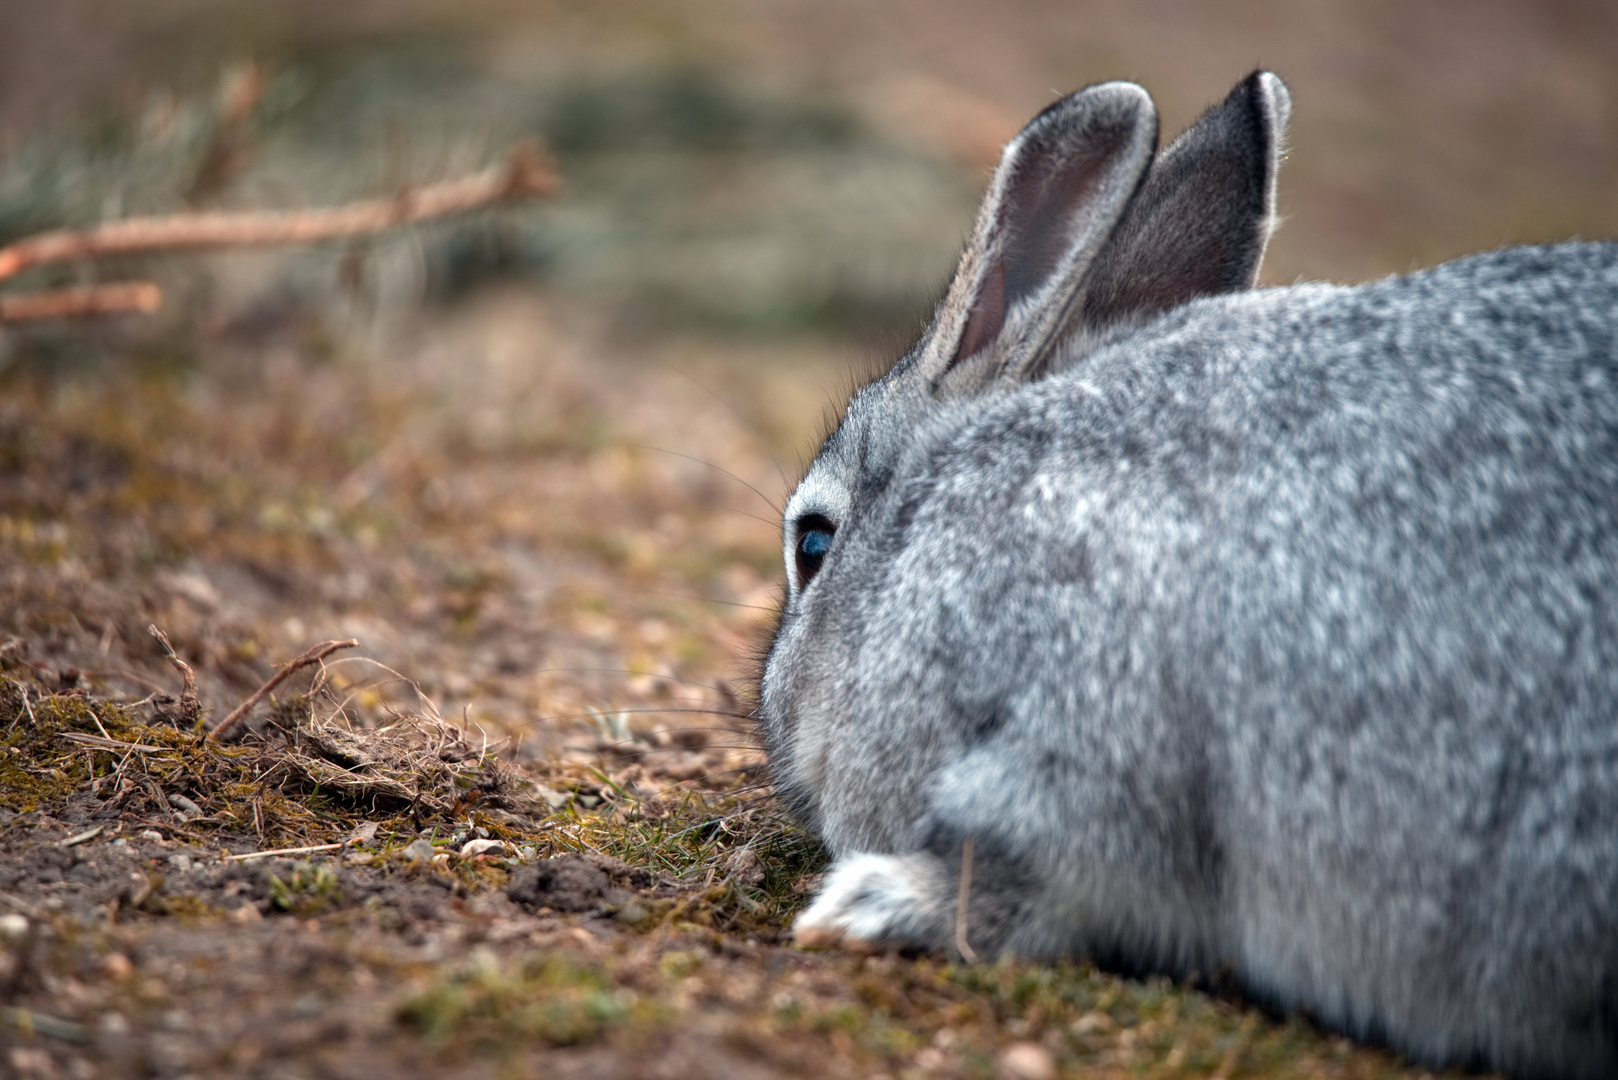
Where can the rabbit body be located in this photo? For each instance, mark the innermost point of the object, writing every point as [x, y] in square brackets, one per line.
[1273, 631]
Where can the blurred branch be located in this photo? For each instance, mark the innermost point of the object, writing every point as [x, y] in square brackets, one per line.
[526, 173]
[116, 299]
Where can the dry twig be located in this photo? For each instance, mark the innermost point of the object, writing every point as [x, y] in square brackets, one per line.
[962, 903]
[285, 851]
[84, 739]
[312, 655]
[190, 704]
[526, 173]
[126, 296]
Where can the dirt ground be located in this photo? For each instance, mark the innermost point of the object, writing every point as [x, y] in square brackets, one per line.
[532, 464]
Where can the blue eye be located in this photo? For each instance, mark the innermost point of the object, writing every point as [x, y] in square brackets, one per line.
[814, 540]
[815, 543]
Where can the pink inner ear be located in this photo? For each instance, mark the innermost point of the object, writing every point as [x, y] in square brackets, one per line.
[1049, 209]
[988, 314]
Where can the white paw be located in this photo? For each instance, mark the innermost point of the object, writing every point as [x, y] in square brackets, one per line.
[875, 900]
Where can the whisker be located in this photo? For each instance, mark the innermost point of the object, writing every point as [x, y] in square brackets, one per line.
[721, 772]
[737, 413]
[711, 823]
[634, 752]
[661, 592]
[691, 457]
[746, 789]
[632, 671]
[702, 599]
[649, 711]
[627, 746]
[774, 523]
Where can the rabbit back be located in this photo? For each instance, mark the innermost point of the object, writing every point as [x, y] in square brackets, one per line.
[1307, 598]
[1283, 633]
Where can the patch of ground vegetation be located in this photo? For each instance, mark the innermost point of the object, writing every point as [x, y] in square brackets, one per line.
[473, 916]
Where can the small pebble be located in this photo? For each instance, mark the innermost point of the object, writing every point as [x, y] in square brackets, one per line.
[1091, 1022]
[418, 849]
[180, 861]
[117, 966]
[187, 807]
[483, 847]
[13, 927]
[1026, 1061]
[153, 835]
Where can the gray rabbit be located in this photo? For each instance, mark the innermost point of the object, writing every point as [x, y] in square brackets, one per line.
[1192, 627]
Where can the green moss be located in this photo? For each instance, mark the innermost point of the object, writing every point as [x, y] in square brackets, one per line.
[499, 1006]
[308, 890]
[38, 768]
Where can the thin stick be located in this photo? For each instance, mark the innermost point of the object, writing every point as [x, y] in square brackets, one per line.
[84, 837]
[285, 851]
[97, 719]
[84, 739]
[26, 709]
[190, 704]
[120, 298]
[525, 173]
[961, 944]
[312, 655]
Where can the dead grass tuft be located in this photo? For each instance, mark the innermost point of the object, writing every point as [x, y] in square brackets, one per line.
[307, 778]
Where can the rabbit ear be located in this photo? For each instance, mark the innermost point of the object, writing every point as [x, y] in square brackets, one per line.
[1201, 220]
[1060, 190]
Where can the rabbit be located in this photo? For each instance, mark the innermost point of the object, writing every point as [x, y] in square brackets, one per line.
[1143, 615]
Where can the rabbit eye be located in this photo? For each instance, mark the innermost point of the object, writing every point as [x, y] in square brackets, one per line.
[814, 540]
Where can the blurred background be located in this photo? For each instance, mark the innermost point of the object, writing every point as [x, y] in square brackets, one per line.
[522, 442]
[773, 165]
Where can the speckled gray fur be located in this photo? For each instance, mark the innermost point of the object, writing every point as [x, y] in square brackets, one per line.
[1269, 631]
